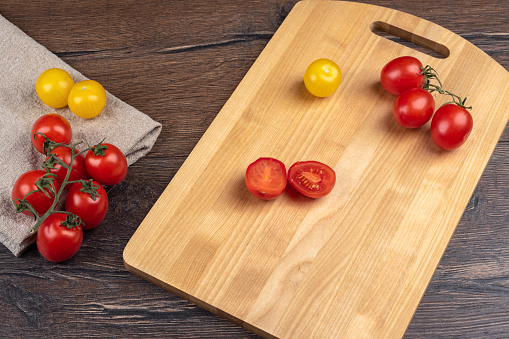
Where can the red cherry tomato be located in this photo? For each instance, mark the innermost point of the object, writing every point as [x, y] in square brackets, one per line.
[57, 242]
[402, 74]
[90, 207]
[106, 164]
[78, 166]
[450, 127]
[413, 108]
[39, 201]
[312, 178]
[266, 178]
[53, 126]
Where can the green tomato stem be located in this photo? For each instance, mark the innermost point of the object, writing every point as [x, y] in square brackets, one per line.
[429, 74]
[47, 183]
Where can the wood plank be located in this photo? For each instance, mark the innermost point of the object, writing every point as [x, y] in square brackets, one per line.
[467, 296]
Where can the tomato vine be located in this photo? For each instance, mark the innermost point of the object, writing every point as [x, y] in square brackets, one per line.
[46, 184]
[431, 74]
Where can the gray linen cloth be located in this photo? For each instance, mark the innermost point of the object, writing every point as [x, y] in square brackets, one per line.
[22, 60]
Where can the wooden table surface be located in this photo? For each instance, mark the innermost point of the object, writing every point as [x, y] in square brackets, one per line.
[178, 62]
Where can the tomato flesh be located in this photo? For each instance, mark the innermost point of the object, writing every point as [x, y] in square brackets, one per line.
[312, 178]
[266, 178]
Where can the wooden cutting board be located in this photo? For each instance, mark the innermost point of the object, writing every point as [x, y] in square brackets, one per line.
[356, 262]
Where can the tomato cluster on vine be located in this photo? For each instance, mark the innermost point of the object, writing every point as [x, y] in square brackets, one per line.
[414, 106]
[66, 171]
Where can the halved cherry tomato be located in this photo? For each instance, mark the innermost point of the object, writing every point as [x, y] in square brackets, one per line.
[312, 178]
[266, 178]
[402, 74]
[322, 77]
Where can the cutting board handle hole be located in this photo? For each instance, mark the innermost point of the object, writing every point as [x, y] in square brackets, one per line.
[409, 39]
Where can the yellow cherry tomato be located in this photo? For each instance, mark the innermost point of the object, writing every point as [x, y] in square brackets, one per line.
[87, 99]
[322, 77]
[53, 87]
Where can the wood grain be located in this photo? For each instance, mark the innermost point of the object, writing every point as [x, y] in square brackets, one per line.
[357, 262]
[119, 42]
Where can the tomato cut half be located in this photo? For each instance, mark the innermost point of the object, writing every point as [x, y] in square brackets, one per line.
[312, 178]
[266, 178]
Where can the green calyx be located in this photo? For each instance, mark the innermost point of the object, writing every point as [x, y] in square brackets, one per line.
[71, 221]
[88, 186]
[46, 184]
[99, 149]
[48, 145]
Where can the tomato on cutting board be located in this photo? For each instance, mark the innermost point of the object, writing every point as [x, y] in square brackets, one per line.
[266, 178]
[413, 108]
[450, 127]
[402, 74]
[322, 77]
[312, 178]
